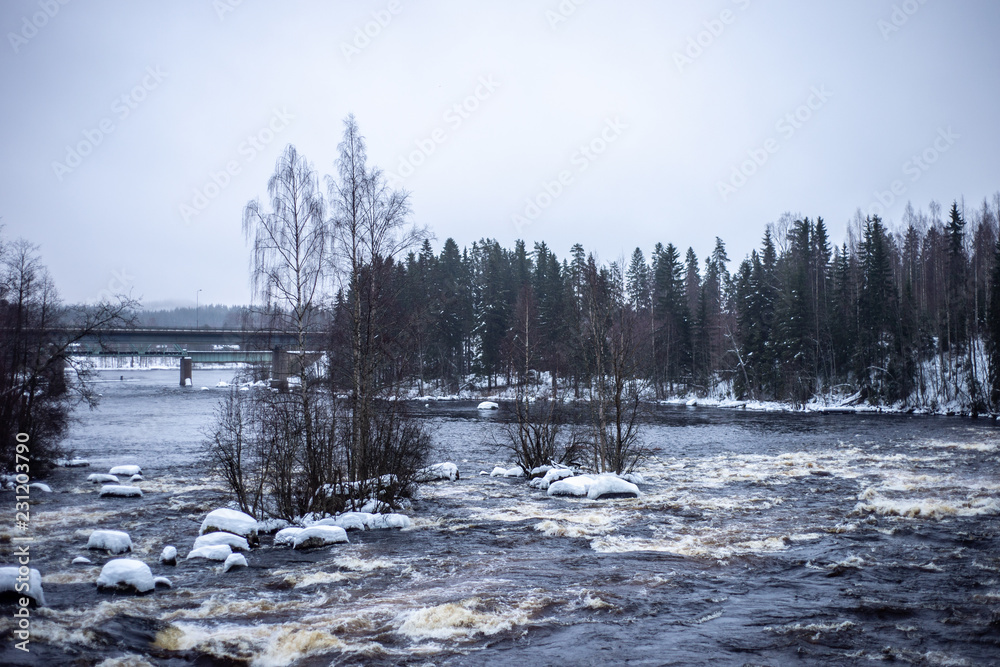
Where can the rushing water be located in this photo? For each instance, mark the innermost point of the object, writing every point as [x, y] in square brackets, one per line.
[760, 539]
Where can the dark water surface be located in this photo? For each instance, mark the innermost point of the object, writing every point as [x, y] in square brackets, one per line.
[760, 539]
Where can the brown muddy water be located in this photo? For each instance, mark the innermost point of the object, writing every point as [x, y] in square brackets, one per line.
[760, 539]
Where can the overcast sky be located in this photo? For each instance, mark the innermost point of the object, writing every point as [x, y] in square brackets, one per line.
[134, 133]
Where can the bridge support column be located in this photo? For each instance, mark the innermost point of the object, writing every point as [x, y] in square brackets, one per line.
[186, 366]
[279, 369]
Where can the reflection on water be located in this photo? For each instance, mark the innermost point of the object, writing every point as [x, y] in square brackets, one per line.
[759, 538]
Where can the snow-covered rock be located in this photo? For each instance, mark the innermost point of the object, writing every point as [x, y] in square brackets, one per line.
[488, 405]
[347, 521]
[218, 552]
[136, 478]
[539, 471]
[230, 521]
[234, 560]
[438, 471]
[169, 555]
[162, 581]
[222, 383]
[9, 584]
[594, 487]
[44, 488]
[72, 463]
[126, 470]
[235, 542]
[498, 472]
[571, 486]
[80, 560]
[119, 491]
[112, 541]
[126, 575]
[634, 477]
[383, 521]
[319, 536]
[374, 506]
[516, 471]
[612, 486]
[101, 478]
[552, 475]
[286, 536]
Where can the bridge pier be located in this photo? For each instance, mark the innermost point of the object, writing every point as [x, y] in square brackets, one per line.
[279, 369]
[186, 366]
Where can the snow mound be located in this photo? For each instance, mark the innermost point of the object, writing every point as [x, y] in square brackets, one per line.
[41, 487]
[234, 560]
[594, 487]
[117, 491]
[9, 584]
[101, 478]
[72, 463]
[366, 521]
[612, 486]
[222, 383]
[126, 575]
[126, 470]
[488, 405]
[384, 521]
[163, 581]
[436, 472]
[169, 555]
[374, 506]
[571, 486]
[112, 541]
[235, 542]
[286, 536]
[80, 560]
[214, 552]
[269, 526]
[551, 475]
[136, 478]
[319, 536]
[498, 472]
[516, 471]
[230, 521]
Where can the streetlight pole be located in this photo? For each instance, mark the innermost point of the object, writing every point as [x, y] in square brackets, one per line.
[196, 308]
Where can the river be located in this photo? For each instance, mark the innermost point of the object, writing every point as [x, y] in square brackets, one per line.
[760, 538]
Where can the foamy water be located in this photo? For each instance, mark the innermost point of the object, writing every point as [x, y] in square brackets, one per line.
[777, 537]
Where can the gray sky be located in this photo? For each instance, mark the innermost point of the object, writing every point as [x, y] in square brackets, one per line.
[611, 124]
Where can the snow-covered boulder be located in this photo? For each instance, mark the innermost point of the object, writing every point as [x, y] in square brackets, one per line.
[162, 581]
[438, 471]
[230, 521]
[44, 488]
[319, 536]
[488, 405]
[126, 470]
[119, 491]
[80, 560]
[516, 471]
[571, 486]
[136, 478]
[234, 560]
[552, 475]
[384, 521]
[539, 471]
[498, 472]
[9, 585]
[112, 541]
[125, 575]
[347, 521]
[612, 486]
[286, 536]
[218, 552]
[235, 542]
[101, 478]
[374, 506]
[169, 555]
